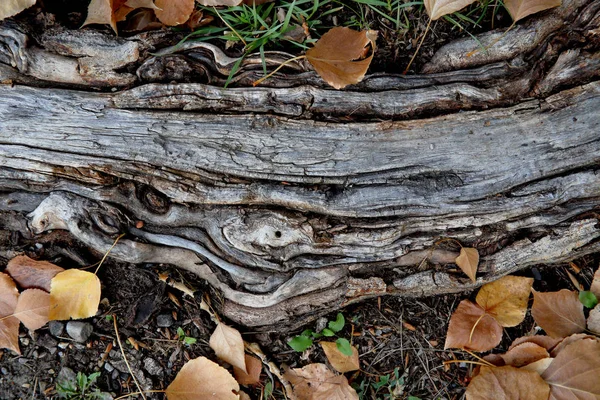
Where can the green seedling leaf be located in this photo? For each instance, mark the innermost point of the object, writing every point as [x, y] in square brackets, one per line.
[344, 346]
[93, 377]
[82, 380]
[338, 324]
[588, 299]
[300, 343]
[307, 333]
[189, 340]
[268, 390]
[180, 332]
[328, 332]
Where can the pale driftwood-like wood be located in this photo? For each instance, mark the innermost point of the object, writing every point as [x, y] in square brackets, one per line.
[294, 200]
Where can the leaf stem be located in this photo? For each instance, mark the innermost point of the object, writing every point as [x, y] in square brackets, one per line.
[475, 326]
[108, 252]
[418, 48]
[230, 27]
[283, 64]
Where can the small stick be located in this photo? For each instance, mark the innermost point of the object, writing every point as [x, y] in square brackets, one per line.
[125, 358]
[418, 48]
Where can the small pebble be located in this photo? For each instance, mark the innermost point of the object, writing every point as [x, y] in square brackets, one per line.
[4, 371]
[80, 331]
[164, 320]
[108, 367]
[56, 328]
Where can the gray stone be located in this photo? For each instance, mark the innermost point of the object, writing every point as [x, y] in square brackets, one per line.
[321, 324]
[153, 367]
[108, 367]
[80, 331]
[164, 320]
[56, 328]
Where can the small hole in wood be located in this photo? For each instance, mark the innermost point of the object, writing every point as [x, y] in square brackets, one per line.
[277, 234]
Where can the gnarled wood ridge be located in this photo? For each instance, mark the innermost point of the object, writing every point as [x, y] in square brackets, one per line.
[292, 200]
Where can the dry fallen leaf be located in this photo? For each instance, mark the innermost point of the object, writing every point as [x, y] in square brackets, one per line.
[217, 3]
[228, 344]
[32, 308]
[254, 367]
[520, 9]
[467, 261]
[8, 8]
[546, 342]
[507, 383]
[141, 4]
[571, 339]
[574, 372]
[506, 299]
[539, 366]
[560, 313]
[174, 12]
[101, 12]
[338, 56]
[201, 378]
[524, 354]
[30, 273]
[74, 294]
[438, 8]
[317, 382]
[9, 325]
[593, 321]
[486, 335]
[339, 361]
[595, 287]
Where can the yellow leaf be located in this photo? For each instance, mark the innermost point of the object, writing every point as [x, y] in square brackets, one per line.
[338, 57]
[8, 8]
[9, 325]
[507, 383]
[317, 382]
[29, 273]
[472, 329]
[341, 362]
[228, 344]
[174, 12]
[438, 8]
[467, 261]
[201, 379]
[506, 299]
[74, 294]
[519, 9]
[560, 313]
[32, 308]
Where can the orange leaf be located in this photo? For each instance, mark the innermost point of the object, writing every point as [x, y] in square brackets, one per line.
[338, 56]
[9, 325]
[254, 367]
[8, 8]
[32, 308]
[438, 8]
[201, 378]
[467, 261]
[574, 372]
[228, 344]
[317, 382]
[472, 329]
[338, 360]
[174, 12]
[508, 383]
[519, 9]
[506, 299]
[29, 273]
[523, 354]
[74, 294]
[560, 313]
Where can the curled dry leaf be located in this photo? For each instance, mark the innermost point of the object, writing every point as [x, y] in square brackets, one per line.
[539, 366]
[560, 313]
[506, 299]
[101, 12]
[8, 8]
[544, 341]
[571, 339]
[574, 372]
[472, 329]
[74, 294]
[9, 325]
[201, 378]
[338, 57]
[32, 308]
[174, 12]
[254, 368]
[593, 321]
[228, 344]
[30, 273]
[341, 362]
[524, 354]
[595, 287]
[507, 383]
[438, 8]
[467, 261]
[519, 9]
[317, 382]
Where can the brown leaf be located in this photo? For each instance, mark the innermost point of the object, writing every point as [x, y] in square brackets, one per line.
[217, 3]
[9, 325]
[338, 56]
[74, 294]
[339, 361]
[8, 8]
[523, 354]
[101, 12]
[539, 366]
[519, 9]
[560, 313]
[571, 339]
[201, 378]
[574, 372]
[506, 299]
[593, 321]
[141, 4]
[228, 344]
[467, 261]
[32, 308]
[595, 287]
[438, 8]
[317, 382]
[254, 367]
[174, 12]
[486, 335]
[507, 383]
[29, 273]
[544, 341]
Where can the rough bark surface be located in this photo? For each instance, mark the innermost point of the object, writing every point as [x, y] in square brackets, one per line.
[293, 200]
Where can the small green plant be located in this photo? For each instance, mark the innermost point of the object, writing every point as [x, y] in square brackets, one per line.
[188, 340]
[387, 387]
[588, 299]
[305, 339]
[79, 386]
